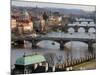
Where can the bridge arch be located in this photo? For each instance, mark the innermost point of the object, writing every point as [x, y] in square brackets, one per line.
[81, 29]
[92, 23]
[92, 30]
[71, 30]
[75, 43]
[48, 44]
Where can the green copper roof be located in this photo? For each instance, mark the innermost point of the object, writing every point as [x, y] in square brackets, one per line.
[31, 59]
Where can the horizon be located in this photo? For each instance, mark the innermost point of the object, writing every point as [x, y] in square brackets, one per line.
[88, 8]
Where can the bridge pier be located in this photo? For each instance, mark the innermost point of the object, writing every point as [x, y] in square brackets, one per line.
[34, 46]
[66, 29]
[86, 29]
[88, 22]
[76, 28]
[62, 45]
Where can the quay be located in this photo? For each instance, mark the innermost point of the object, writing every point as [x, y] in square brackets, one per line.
[36, 63]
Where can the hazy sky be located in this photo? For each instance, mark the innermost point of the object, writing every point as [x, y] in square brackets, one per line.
[41, 4]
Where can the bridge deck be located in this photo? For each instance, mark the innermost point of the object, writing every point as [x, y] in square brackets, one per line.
[93, 39]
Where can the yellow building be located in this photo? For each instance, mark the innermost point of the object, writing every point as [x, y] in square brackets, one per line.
[22, 22]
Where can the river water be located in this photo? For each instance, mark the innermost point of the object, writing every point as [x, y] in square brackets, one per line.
[51, 51]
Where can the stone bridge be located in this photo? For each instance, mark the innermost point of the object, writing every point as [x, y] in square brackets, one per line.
[60, 40]
[76, 28]
[65, 28]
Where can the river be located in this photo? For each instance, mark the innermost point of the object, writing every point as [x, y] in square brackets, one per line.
[50, 49]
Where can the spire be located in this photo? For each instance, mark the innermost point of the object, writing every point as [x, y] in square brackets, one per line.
[25, 14]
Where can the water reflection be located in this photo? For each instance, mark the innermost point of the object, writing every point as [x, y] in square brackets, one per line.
[48, 44]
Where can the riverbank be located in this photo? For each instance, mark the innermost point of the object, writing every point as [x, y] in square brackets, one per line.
[89, 65]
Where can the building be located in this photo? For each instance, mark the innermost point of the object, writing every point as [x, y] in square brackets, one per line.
[27, 64]
[13, 24]
[22, 22]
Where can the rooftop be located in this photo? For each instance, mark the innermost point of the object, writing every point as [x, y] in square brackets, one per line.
[30, 59]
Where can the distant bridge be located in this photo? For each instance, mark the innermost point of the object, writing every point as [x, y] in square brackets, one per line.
[75, 28]
[88, 21]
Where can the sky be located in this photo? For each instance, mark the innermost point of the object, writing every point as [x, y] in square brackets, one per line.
[53, 5]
